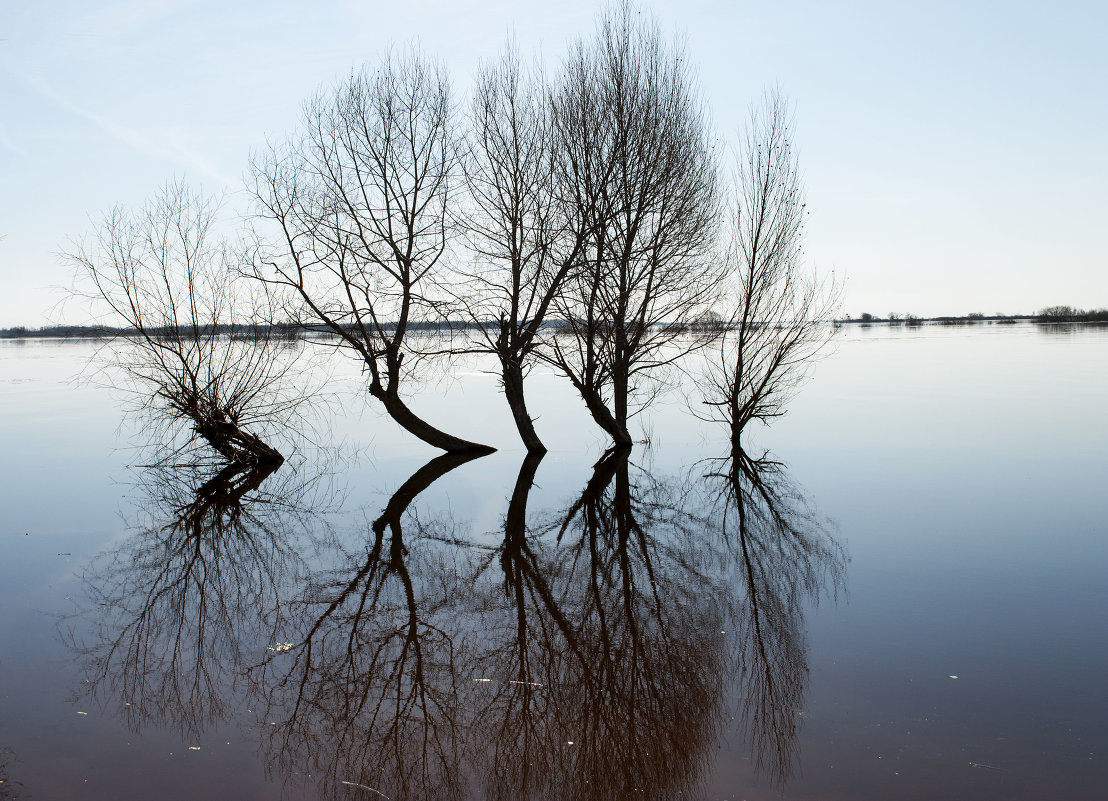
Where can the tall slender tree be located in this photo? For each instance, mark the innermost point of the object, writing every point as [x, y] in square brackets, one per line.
[639, 161]
[779, 309]
[525, 235]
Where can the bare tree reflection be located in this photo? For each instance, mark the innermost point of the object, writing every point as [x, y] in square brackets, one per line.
[787, 559]
[608, 680]
[180, 605]
[367, 696]
[9, 789]
[591, 652]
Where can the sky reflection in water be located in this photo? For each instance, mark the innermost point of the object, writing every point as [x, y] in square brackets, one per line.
[578, 626]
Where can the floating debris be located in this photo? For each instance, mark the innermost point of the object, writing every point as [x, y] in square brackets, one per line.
[482, 679]
[952, 677]
[82, 713]
[528, 683]
[984, 766]
[194, 748]
[364, 787]
[280, 647]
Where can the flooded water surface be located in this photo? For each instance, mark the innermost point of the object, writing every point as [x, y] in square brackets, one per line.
[895, 591]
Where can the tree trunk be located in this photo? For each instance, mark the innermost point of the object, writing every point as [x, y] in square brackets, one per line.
[515, 521]
[604, 418]
[420, 480]
[234, 444]
[413, 424]
[621, 435]
[512, 374]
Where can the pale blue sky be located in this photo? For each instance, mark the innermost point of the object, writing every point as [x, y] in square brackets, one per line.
[955, 152]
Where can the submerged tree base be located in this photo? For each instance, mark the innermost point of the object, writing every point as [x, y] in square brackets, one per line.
[235, 445]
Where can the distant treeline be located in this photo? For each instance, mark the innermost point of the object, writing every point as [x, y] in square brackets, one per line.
[894, 318]
[1068, 314]
[1051, 314]
[289, 330]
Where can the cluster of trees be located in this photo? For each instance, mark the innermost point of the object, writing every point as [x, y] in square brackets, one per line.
[973, 318]
[594, 197]
[1068, 314]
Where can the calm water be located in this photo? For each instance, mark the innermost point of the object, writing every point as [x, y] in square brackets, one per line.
[904, 599]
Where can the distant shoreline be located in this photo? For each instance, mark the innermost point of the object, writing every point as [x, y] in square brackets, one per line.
[1054, 315]
[1051, 314]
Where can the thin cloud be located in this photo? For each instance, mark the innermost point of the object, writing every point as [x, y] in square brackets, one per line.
[10, 146]
[171, 151]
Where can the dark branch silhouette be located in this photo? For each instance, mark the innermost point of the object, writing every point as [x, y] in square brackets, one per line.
[639, 163]
[358, 206]
[779, 313]
[163, 274]
[787, 560]
[183, 606]
[601, 677]
[368, 692]
[523, 229]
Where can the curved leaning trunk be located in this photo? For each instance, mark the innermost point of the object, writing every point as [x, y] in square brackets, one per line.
[416, 425]
[234, 444]
[512, 375]
[603, 417]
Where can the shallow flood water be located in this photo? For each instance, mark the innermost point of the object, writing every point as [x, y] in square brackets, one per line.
[900, 594]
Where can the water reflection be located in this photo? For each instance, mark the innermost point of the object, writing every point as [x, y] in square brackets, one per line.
[188, 598]
[367, 694]
[607, 670]
[9, 789]
[1070, 328]
[787, 560]
[596, 650]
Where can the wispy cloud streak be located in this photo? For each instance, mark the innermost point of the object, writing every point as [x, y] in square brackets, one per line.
[169, 150]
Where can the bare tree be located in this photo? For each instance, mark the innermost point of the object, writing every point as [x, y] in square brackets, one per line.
[359, 199]
[195, 345]
[639, 161]
[780, 313]
[520, 227]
